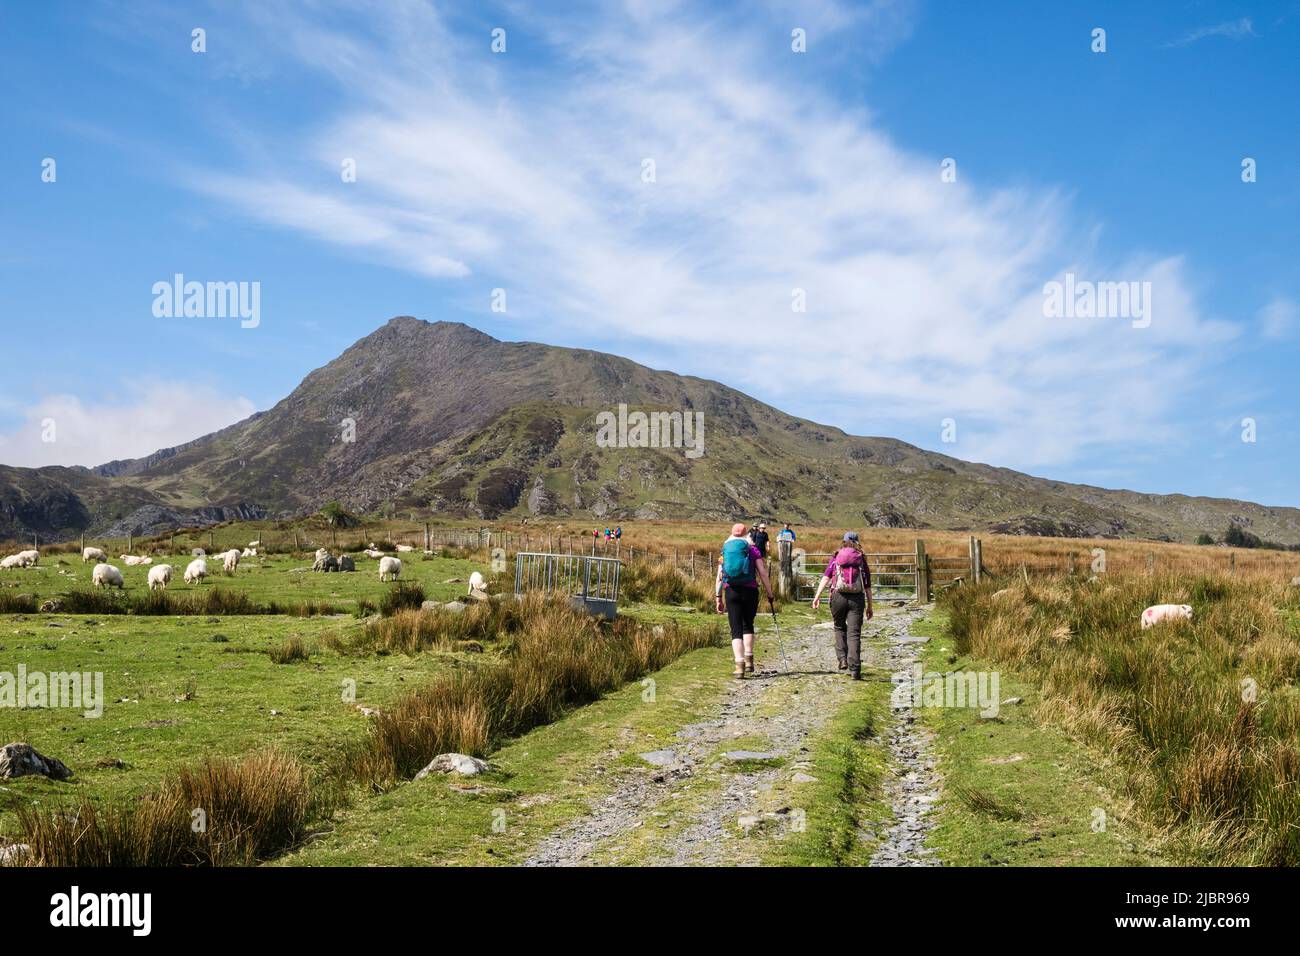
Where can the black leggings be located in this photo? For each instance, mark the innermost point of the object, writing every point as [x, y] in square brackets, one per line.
[742, 608]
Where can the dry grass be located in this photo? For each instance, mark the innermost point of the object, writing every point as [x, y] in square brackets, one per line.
[1204, 715]
[219, 813]
[560, 658]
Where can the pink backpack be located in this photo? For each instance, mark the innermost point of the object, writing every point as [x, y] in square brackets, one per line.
[850, 571]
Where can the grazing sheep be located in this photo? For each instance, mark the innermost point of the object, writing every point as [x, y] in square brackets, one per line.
[255, 544]
[93, 554]
[30, 558]
[390, 569]
[197, 571]
[405, 547]
[160, 577]
[477, 587]
[372, 553]
[230, 561]
[1165, 612]
[13, 561]
[249, 553]
[198, 553]
[105, 575]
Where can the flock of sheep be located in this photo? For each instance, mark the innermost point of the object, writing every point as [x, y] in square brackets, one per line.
[106, 575]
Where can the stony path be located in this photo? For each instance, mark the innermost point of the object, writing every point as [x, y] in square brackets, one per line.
[765, 706]
[915, 786]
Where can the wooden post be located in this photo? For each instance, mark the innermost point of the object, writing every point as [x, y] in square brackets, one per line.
[974, 576]
[428, 544]
[128, 543]
[1151, 563]
[922, 574]
[1232, 562]
[1071, 563]
[692, 564]
[979, 560]
[83, 544]
[785, 572]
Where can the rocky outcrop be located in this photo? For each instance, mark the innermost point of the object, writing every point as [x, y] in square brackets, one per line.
[23, 760]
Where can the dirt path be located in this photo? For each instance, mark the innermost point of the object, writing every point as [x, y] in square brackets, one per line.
[723, 784]
[915, 786]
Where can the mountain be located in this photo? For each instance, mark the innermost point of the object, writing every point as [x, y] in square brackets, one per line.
[441, 418]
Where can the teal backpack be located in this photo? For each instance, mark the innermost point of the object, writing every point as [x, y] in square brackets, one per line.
[737, 564]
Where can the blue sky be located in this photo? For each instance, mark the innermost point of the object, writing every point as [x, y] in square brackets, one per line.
[774, 171]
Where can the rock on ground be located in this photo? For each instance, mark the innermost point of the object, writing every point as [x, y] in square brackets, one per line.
[22, 760]
[462, 764]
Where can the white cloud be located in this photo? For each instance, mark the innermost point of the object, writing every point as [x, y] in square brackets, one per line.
[149, 416]
[1278, 319]
[924, 297]
[1231, 29]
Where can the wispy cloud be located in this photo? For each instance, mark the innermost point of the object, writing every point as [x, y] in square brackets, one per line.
[1279, 319]
[924, 298]
[1231, 29]
[65, 430]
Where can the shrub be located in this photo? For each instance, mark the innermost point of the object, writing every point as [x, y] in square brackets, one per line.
[291, 651]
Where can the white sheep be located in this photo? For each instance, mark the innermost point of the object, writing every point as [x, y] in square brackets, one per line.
[249, 553]
[198, 553]
[322, 553]
[105, 575]
[30, 558]
[93, 554]
[1165, 612]
[372, 553]
[13, 561]
[230, 561]
[255, 544]
[405, 547]
[197, 571]
[390, 569]
[132, 560]
[160, 577]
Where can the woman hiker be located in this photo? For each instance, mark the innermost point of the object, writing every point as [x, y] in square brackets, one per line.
[850, 581]
[740, 569]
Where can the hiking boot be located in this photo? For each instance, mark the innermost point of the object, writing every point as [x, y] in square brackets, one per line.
[739, 672]
[856, 673]
[749, 663]
[844, 665]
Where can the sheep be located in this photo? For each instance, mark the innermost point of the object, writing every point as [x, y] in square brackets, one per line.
[322, 554]
[1165, 612]
[255, 544]
[390, 569]
[197, 571]
[105, 575]
[230, 561]
[13, 561]
[477, 587]
[160, 577]
[133, 560]
[30, 558]
[405, 547]
[249, 553]
[93, 554]
[372, 553]
[198, 553]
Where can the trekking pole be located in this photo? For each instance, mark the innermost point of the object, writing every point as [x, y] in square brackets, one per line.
[785, 665]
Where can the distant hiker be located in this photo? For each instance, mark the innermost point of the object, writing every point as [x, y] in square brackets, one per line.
[759, 536]
[740, 569]
[850, 581]
[787, 533]
[618, 533]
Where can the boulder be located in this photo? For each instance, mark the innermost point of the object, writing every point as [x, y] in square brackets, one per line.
[325, 563]
[22, 760]
[52, 606]
[455, 606]
[12, 854]
[461, 764]
[346, 563]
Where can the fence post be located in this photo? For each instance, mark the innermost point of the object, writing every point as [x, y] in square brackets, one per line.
[785, 572]
[1151, 563]
[979, 560]
[922, 574]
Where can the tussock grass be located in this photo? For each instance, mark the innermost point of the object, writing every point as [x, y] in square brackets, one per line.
[290, 652]
[559, 658]
[1204, 715]
[404, 597]
[18, 603]
[982, 802]
[218, 813]
[653, 582]
[210, 601]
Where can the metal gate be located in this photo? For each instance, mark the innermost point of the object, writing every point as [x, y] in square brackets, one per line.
[893, 575]
[589, 583]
